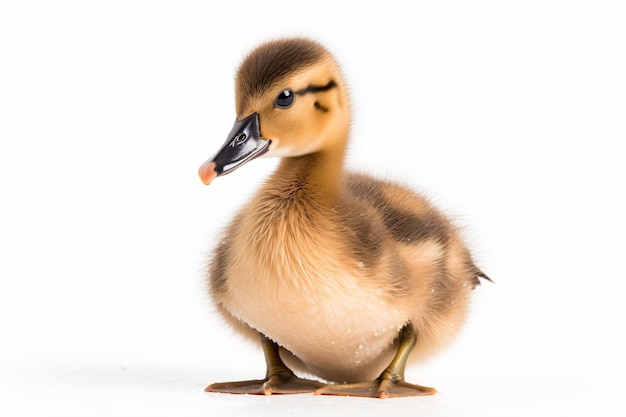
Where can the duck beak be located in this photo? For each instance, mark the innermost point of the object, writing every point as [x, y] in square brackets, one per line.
[244, 143]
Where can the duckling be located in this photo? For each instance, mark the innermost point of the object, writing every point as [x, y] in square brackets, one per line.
[344, 277]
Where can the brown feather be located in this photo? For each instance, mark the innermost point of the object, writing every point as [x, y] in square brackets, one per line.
[272, 62]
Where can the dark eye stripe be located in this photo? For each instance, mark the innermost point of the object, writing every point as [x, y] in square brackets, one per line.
[319, 106]
[316, 88]
[286, 97]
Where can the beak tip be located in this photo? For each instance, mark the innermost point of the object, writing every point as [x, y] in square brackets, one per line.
[207, 172]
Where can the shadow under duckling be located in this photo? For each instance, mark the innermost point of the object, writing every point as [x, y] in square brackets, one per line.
[343, 276]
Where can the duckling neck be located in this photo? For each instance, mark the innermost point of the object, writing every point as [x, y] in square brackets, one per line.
[292, 216]
[316, 176]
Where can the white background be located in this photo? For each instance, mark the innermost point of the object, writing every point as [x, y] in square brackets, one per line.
[510, 115]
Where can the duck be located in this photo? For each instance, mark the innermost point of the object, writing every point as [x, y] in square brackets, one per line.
[341, 277]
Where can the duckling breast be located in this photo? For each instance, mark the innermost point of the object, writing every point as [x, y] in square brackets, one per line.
[301, 291]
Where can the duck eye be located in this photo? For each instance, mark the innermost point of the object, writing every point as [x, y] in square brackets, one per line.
[285, 99]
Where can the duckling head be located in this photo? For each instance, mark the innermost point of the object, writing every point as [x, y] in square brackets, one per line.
[290, 101]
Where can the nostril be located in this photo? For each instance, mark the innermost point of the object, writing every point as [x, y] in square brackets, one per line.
[241, 138]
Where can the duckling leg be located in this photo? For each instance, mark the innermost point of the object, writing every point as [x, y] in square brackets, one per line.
[278, 379]
[391, 382]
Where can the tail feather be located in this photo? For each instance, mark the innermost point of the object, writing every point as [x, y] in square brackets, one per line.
[477, 274]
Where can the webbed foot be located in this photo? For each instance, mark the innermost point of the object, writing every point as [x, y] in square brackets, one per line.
[391, 382]
[276, 384]
[379, 388]
[278, 379]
